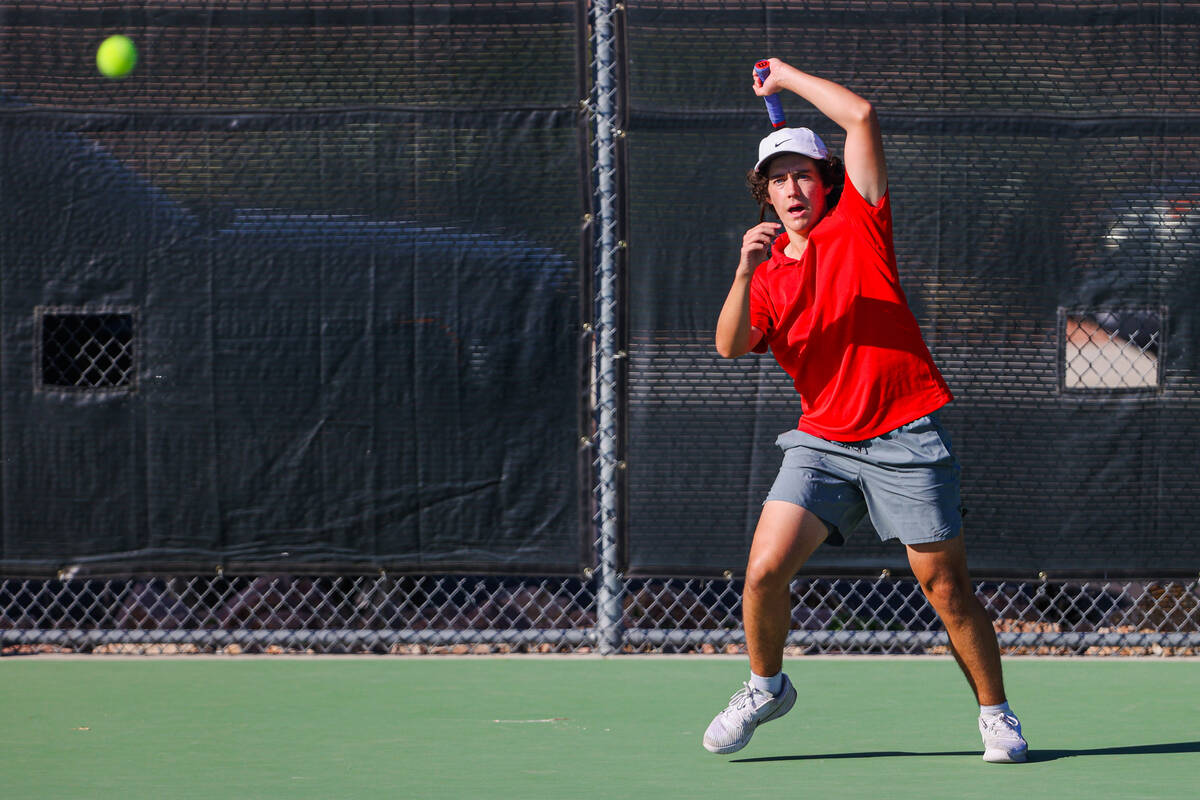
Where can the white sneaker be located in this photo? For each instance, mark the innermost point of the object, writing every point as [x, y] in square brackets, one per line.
[731, 730]
[1002, 740]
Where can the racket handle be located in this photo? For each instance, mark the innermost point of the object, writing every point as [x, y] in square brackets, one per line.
[774, 106]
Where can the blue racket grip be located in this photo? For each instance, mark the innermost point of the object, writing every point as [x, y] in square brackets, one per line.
[774, 106]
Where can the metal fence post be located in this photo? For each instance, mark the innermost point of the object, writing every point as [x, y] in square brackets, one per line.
[609, 587]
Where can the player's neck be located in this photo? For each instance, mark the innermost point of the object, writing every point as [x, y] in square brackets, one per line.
[798, 240]
[797, 244]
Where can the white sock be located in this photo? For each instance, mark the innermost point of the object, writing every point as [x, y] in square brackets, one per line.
[991, 711]
[771, 685]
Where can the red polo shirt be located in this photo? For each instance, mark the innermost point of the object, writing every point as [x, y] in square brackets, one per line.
[839, 324]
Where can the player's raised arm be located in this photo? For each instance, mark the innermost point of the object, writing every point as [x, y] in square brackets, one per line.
[735, 335]
[863, 153]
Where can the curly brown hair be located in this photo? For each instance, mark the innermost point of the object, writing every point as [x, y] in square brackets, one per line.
[832, 171]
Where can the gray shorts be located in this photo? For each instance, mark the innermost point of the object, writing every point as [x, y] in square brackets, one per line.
[906, 479]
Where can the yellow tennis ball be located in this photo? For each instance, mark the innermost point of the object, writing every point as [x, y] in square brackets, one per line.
[116, 57]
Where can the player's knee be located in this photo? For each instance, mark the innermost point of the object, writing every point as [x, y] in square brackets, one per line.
[766, 575]
[948, 593]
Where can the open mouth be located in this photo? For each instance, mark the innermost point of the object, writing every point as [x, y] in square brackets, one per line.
[798, 208]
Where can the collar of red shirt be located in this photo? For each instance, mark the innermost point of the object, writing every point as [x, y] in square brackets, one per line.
[778, 257]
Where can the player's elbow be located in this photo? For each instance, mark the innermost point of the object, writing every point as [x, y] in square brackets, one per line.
[863, 114]
[727, 348]
[732, 345]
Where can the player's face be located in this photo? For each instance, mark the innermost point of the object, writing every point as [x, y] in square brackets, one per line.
[796, 191]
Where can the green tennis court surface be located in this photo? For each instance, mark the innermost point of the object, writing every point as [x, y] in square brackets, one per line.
[580, 727]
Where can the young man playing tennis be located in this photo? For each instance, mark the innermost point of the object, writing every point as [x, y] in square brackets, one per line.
[825, 298]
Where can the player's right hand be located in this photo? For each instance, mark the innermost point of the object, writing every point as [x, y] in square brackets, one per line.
[770, 85]
[756, 246]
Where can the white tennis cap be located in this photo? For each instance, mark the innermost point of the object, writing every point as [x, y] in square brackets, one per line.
[790, 140]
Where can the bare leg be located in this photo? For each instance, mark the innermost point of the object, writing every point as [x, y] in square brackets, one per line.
[941, 568]
[786, 536]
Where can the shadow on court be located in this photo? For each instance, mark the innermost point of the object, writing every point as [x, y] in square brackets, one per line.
[1128, 750]
[1035, 756]
[872, 754]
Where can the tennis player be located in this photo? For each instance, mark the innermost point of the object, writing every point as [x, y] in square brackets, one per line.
[824, 295]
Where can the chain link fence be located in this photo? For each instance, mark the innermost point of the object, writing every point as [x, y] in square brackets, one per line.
[85, 349]
[1130, 245]
[383, 614]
